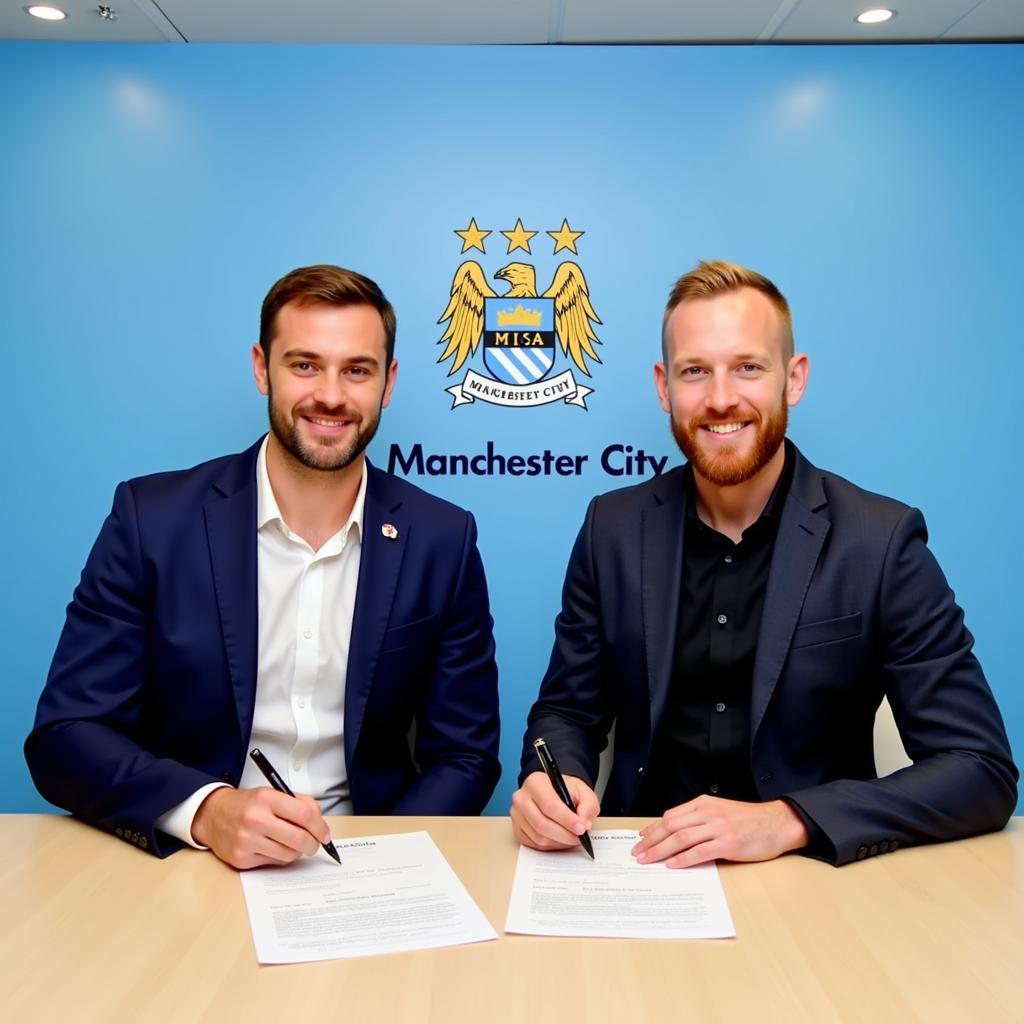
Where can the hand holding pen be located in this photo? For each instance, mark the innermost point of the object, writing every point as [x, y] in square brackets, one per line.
[552, 811]
[253, 828]
[275, 780]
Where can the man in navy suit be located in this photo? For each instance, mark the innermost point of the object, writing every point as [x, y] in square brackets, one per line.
[291, 597]
[740, 619]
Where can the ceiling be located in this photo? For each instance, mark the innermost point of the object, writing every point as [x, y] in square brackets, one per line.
[517, 21]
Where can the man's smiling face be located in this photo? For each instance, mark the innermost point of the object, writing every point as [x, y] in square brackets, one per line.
[326, 381]
[727, 384]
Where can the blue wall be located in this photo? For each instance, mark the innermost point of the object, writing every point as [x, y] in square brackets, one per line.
[150, 194]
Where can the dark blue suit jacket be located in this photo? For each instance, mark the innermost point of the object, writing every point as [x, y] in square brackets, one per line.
[855, 607]
[152, 687]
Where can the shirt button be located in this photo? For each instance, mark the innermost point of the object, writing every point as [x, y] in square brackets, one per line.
[307, 633]
[713, 788]
[301, 703]
[297, 765]
[719, 707]
[728, 559]
[722, 619]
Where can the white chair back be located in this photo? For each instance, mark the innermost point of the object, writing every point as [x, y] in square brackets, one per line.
[890, 754]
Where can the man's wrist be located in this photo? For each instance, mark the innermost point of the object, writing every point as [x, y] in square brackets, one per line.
[794, 832]
[198, 830]
[178, 821]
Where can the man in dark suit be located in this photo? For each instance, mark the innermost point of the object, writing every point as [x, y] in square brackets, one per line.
[740, 619]
[291, 597]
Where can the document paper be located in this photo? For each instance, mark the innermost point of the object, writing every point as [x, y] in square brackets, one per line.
[390, 894]
[612, 896]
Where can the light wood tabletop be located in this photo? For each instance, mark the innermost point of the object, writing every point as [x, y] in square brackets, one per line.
[95, 930]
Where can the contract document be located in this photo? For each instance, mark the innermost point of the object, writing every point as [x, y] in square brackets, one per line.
[389, 894]
[612, 896]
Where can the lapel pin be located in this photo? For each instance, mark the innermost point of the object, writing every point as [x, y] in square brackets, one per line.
[389, 531]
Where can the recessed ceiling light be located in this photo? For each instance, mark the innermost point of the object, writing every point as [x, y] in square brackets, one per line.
[46, 13]
[875, 16]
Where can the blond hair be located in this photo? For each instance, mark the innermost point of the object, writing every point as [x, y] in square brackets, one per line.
[716, 277]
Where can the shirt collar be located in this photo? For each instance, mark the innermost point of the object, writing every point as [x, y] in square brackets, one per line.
[268, 511]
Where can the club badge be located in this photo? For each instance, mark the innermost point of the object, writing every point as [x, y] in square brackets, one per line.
[524, 331]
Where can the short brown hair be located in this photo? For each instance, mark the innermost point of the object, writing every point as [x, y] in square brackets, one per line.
[716, 277]
[331, 285]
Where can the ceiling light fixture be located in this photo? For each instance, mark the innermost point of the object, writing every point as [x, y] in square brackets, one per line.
[875, 16]
[45, 13]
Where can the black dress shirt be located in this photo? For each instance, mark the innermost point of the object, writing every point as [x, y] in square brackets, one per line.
[703, 745]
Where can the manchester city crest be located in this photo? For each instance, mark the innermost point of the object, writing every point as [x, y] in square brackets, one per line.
[524, 331]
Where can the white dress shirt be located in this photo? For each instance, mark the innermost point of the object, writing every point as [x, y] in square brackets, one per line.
[306, 602]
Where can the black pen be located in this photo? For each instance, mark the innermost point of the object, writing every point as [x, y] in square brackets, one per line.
[275, 780]
[548, 763]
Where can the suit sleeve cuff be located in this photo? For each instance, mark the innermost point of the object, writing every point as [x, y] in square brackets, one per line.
[178, 820]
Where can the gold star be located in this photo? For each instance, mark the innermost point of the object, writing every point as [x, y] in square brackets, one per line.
[473, 237]
[565, 237]
[519, 237]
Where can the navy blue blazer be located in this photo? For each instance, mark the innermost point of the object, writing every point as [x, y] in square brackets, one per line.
[152, 687]
[855, 607]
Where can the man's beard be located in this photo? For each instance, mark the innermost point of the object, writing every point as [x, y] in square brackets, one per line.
[323, 454]
[727, 467]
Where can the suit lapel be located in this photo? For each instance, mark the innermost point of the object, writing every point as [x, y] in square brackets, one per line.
[802, 532]
[661, 584]
[379, 565]
[231, 534]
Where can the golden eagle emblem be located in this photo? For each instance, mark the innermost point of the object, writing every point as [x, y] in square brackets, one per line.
[574, 316]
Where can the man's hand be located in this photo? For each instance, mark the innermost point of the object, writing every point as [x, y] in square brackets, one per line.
[248, 828]
[541, 820]
[710, 828]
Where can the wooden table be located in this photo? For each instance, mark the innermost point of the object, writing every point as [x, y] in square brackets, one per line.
[95, 930]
